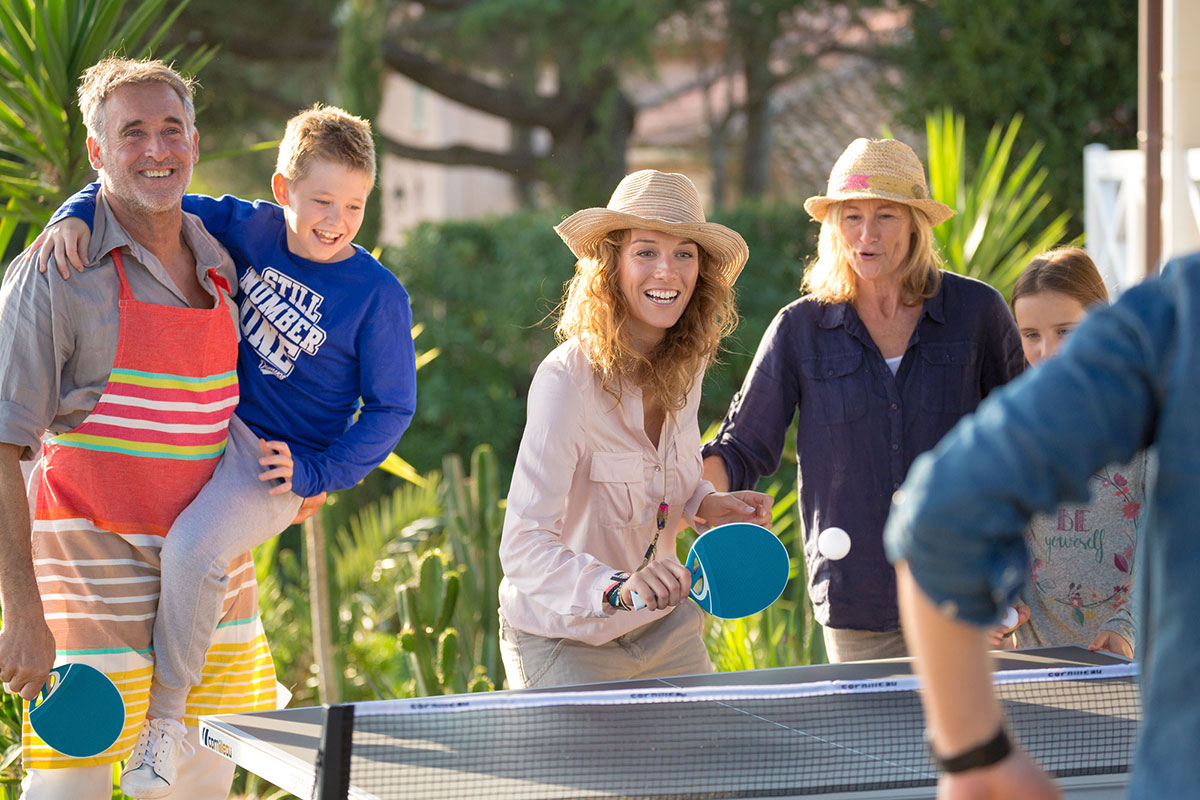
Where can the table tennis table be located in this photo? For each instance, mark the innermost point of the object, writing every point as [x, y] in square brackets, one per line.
[753, 747]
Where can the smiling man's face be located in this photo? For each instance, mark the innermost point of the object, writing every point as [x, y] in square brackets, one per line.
[147, 150]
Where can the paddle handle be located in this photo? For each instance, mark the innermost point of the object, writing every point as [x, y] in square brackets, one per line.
[639, 603]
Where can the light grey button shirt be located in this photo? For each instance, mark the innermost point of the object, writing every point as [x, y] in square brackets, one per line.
[58, 338]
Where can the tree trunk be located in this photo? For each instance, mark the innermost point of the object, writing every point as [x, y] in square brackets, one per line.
[756, 148]
[360, 79]
[754, 29]
[524, 188]
[328, 685]
[755, 46]
[588, 159]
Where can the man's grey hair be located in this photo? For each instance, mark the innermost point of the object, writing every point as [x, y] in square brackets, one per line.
[102, 79]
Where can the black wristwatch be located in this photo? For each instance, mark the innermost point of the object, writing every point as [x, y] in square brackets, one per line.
[984, 755]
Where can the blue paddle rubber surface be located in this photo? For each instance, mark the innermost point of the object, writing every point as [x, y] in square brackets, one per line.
[739, 569]
[79, 712]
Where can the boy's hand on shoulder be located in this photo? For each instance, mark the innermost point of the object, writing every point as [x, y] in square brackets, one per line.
[68, 242]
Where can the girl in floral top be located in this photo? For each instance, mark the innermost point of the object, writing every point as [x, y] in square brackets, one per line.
[1083, 553]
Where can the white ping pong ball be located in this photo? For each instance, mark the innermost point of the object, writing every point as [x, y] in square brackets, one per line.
[1011, 618]
[833, 543]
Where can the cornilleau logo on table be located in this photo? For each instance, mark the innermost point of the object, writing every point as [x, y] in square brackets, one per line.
[664, 695]
[861, 686]
[435, 706]
[1082, 672]
[216, 745]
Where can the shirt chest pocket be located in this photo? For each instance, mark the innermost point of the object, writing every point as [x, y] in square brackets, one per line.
[617, 486]
[949, 380]
[836, 386]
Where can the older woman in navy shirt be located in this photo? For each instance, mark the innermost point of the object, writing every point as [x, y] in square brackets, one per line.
[881, 357]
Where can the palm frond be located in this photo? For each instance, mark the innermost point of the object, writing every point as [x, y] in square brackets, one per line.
[999, 226]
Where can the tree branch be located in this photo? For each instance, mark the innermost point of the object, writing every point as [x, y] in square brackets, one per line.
[512, 104]
[521, 165]
[272, 102]
[446, 5]
[319, 46]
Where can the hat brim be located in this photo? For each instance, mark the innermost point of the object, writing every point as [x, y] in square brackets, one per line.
[818, 206]
[584, 230]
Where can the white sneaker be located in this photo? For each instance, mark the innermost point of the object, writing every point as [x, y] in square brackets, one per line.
[151, 769]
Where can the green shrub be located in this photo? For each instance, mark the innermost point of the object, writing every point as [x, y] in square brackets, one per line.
[482, 288]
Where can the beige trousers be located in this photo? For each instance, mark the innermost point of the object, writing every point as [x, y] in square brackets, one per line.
[847, 644]
[671, 645]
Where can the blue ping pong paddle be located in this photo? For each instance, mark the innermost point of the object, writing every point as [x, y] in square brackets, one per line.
[737, 570]
[79, 711]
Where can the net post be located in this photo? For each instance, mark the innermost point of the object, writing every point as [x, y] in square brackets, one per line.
[333, 759]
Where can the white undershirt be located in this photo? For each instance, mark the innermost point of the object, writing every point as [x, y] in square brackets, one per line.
[894, 363]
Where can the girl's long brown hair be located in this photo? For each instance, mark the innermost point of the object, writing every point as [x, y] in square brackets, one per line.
[1066, 270]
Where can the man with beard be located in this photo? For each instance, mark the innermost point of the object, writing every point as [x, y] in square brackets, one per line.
[130, 372]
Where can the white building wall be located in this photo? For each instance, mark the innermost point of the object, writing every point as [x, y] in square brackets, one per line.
[1181, 127]
[415, 191]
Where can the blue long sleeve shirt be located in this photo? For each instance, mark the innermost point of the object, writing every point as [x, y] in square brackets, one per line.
[1127, 379]
[326, 360]
[859, 426]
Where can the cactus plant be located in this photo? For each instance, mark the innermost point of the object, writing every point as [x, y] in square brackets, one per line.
[427, 606]
[474, 519]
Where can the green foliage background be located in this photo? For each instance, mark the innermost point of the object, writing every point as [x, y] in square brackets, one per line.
[1069, 67]
[486, 291]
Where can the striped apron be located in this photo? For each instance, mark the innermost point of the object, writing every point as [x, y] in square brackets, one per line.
[108, 493]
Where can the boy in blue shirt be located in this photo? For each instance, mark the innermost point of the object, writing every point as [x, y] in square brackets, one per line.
[323, 324]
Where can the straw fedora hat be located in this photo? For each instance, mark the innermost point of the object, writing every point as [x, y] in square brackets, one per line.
[878, 169]
[657, 201]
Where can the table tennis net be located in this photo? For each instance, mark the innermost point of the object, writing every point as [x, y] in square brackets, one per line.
[707, 742]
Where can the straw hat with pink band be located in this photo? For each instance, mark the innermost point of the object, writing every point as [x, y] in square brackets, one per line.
[656, 201]
[878, 169]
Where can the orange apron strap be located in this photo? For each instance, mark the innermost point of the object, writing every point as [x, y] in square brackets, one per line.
[219, 281]
[119, 262]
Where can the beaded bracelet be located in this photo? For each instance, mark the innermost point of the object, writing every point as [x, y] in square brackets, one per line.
[612, 595]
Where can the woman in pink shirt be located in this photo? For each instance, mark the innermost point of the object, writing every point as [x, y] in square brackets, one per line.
[609, 462]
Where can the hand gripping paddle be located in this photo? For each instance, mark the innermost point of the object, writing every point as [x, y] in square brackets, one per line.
[737, 570]
[79, 712]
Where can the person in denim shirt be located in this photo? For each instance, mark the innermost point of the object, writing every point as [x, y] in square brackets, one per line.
[881, 358]
[1127, 379]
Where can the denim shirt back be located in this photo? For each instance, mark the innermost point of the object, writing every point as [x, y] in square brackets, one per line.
[859, 426]
[1127, 379]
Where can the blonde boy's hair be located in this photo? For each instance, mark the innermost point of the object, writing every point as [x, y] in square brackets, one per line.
[100, 80]
[325, 133]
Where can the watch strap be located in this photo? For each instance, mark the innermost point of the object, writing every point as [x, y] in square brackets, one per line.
[982, 755]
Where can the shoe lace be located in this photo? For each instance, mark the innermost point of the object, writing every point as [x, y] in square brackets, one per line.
[169, 736]
[142, 749]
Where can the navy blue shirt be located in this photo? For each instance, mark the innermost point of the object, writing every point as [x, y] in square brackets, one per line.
[859, 426]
